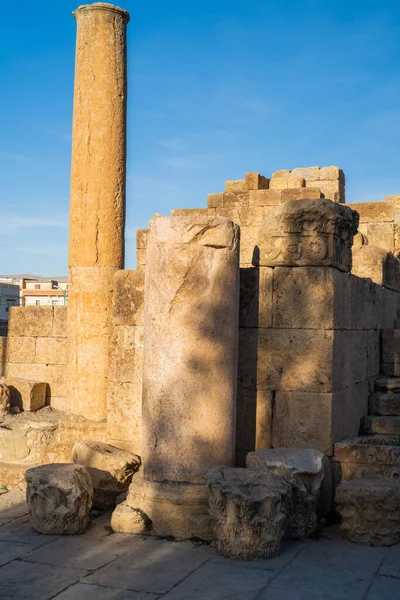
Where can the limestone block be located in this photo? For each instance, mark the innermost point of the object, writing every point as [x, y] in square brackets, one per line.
[303, 420]
[26, 371]
[311, 298]
[374, 211]
[5, 400]
[248, 245]
[279, 180]
[373, 353]
[128, 299]
[58, 403]
[59, 498]
[236, 186]
[382, 235]
[334, 190]
[98, 305]
[51, 351]
[301, 193]
[141, 257]
[253, 419]
[124, 410]
[287, 359]
[312, 420]
[307, 173]
[244, 216]
[30, 321]
[391, 350]
[377, 264]
[60, 316]
[215, 200]
[270, 197]
[296, 181]
[26, 394]
[370, 511]
[21, 349]
[312, 233]
[164, 509]
[234, 198]
[141, 238]
[255, 181]
[278, 183]
[126, 359]
[304, 470]
[56, 378]
[193, 212]
[249, 510]
[91, 356]
[190, 347]
[368, 450]
[111, 470]
[331, 174]
[255, 297]
[282, 174]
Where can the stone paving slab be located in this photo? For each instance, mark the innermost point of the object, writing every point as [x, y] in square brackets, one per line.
[81, 591]
[102, 566]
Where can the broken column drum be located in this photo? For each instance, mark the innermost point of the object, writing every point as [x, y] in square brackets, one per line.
[189, 371]
[97, 212]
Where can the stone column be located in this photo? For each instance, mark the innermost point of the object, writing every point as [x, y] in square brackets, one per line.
[97, 213]
[189, 374]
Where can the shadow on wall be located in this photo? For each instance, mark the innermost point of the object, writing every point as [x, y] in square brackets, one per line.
[197, 327]
[3, 355]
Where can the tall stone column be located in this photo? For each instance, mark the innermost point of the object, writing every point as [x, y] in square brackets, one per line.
[189, 374]
[97, 211]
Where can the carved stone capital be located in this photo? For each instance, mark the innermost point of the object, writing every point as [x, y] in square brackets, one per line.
[315, 232]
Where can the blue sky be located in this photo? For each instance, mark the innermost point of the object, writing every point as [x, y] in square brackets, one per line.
[216, 88]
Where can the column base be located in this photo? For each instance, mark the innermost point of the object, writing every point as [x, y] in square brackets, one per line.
[164, 509]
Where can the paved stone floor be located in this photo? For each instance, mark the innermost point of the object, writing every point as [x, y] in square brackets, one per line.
[103, 566]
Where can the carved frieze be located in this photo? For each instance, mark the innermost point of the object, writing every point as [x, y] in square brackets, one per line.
[315, 232]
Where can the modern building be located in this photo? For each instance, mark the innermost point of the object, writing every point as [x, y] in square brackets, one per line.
[9, 296]
[39, 291]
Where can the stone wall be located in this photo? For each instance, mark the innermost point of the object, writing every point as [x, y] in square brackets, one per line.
[379, 222]
[124, 395]
[36, 348]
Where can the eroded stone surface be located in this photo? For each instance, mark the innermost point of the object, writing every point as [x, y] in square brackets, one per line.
[370, 511]
[59, 498]
[249, 510]
[5, 402]
[315, 232]
[303, 469]
[110, 468]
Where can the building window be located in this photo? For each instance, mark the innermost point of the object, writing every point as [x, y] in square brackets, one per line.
[37, 286]
[37, 302]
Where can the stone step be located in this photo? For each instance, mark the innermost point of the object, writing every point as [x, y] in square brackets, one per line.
[382, 404]
[388, 384]
[383, 425]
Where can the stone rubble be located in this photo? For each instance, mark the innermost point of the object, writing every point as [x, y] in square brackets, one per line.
[59, 498]
[249, 510]
[304, 470]
[111, 470]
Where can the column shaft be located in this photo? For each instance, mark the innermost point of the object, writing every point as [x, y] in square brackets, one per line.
[97, 211]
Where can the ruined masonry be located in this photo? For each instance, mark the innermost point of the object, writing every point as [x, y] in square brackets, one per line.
[266, 319]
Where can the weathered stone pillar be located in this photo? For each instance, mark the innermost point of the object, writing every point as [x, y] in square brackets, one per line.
[97, 213]
[189, 375]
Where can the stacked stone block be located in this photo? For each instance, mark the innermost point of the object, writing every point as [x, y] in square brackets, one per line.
[379, 222]
[36, 349]
[124, 395]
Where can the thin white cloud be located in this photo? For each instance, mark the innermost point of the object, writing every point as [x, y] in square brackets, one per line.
[13, 223]
[15, 156]
[196, 161]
